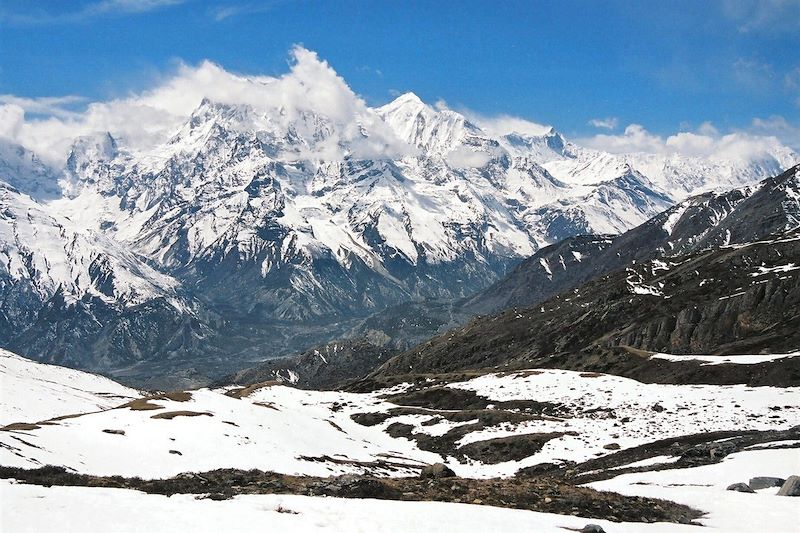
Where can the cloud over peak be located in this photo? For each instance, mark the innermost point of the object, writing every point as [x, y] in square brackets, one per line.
[142, 120]
[314, 102]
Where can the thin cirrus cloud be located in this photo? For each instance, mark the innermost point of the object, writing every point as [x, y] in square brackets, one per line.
[228, 11]
[57, 106]
[755, 16]
[608, 123]
[90, 11]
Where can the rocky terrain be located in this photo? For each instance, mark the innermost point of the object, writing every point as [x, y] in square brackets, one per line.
[730, 300]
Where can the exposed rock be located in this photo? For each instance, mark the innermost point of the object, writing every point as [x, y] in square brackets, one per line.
[592, 528]
[709, 452]
[436, 471]
[791, 487]
[740, 487]
[612, 446]
[762, 482]
[543, 494]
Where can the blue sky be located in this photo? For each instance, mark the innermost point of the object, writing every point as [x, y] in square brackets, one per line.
[585, 67]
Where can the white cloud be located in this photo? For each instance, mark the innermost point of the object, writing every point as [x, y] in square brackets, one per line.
[792, 78]
[224, 12]
[762, 137]
[89, 11]
[48, 105]
[464, 157]
[634, 139]
[773, 16]
[753, 74]
[779, 127]
[506, 124]
[608, 123]
[142, 120]
[11, 119]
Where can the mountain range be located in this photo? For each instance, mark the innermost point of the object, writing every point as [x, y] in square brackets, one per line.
[251, 232]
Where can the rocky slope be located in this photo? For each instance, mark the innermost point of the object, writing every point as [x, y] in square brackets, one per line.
[705, 221]
[737, 299]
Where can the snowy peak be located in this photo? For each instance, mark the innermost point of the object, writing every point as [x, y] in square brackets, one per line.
[548, 147]
[434, 132]
[23, 170]
[41, 254]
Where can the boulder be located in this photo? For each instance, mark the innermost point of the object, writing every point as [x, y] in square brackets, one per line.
[791, 487]
[436, 471]
[740, 487]
[592, 528]
[763, 482]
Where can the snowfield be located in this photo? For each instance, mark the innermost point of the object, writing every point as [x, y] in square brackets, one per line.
[282, 429]
[29, 508]
[291, 431]
[279, 429]
[704, 488]
[726, 359]
[30, 391]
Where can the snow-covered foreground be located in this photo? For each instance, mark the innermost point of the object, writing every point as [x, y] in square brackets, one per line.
[704, 488]
[602, 409]
[279, 429]
[27, 508]
[286, 430]
[30, 391]
[282, 429]
[33, 508]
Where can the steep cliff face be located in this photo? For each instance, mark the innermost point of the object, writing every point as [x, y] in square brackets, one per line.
[738, 299]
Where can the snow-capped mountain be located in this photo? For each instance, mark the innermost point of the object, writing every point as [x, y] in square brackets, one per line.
[282, 212]
[42, 254]
[236, 187]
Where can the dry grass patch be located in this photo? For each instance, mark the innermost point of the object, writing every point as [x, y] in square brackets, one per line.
[141, 404]
[19, 426]
[175, 396]
[643, 354]
[169, 415]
